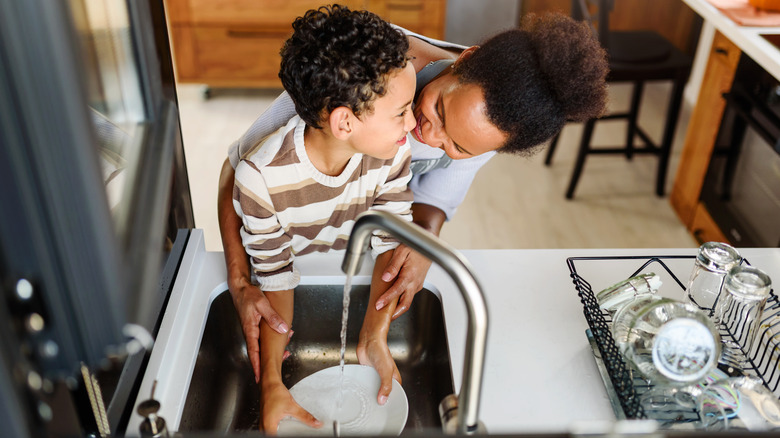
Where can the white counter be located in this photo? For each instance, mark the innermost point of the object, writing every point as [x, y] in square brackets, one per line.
[747, 38]
[540, 373]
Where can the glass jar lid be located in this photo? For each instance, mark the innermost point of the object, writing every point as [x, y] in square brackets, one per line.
[685, 350]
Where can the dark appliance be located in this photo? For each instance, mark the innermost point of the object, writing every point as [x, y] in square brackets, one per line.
[95, 206]
[741, 190]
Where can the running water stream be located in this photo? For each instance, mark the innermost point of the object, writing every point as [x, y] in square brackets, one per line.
[344, 319]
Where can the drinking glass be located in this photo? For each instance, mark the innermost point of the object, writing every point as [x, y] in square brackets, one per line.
[713, 261]
[739, 310]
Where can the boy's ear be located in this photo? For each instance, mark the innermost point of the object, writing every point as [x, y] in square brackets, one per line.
[341, 122]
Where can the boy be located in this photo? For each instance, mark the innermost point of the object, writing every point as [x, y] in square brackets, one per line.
[300, 190]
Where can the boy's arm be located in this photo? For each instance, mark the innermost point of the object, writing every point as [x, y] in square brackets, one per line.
[408, 267]
[276, 402]
[403, 273]
[372, 346]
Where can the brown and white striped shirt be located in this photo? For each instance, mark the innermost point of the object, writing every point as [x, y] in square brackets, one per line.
[289, 208]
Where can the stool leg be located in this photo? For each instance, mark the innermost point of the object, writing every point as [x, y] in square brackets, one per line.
[671, 123]
[551, 149]
[633, 114]
[583, 151]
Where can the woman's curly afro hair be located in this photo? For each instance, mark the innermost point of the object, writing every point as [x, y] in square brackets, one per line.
[339, 57]
[535, 78]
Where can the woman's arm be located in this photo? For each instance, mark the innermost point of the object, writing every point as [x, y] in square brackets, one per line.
[250, 302]
[422, 53]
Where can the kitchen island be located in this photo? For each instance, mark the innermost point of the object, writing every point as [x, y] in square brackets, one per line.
[729, 42]
[748, 38]
[540, 374]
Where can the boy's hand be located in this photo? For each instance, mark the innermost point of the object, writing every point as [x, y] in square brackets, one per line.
[253, 306]
[409, 269]
[376, 353]
[277, 403]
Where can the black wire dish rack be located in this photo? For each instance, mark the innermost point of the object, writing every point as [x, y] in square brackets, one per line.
[624, 385]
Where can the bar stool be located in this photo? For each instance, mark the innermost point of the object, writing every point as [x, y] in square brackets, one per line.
[635, 57]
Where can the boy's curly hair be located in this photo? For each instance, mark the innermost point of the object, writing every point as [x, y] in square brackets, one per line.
[550, 70]
[339, 57]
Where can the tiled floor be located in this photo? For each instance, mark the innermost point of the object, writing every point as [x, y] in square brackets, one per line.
[513, 203]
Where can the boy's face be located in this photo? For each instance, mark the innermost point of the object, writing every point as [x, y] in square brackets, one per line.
[380, 133]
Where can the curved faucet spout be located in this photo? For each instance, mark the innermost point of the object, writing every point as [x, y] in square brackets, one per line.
[462, 274]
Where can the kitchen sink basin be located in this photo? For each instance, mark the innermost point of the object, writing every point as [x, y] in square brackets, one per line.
[223, 396]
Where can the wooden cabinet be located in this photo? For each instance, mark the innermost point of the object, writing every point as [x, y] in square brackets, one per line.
[700, 140]
[425, 17]
[235, 43]
[673, 19]
[704, 228]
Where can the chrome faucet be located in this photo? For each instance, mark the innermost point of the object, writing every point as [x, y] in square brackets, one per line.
[458, 415]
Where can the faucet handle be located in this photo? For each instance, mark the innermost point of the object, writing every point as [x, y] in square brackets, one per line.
[448, 412]
[148, 407]
[153, 425]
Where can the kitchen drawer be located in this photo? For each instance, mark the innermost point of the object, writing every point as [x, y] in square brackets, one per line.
[235, 43]
[704, 228]
[228, 57]
[267, 13]
[424, 17]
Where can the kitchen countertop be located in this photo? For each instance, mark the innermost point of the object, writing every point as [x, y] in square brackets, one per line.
[540, 373]
[747, 38]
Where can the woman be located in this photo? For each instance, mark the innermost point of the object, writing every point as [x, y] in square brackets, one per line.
[509, 95]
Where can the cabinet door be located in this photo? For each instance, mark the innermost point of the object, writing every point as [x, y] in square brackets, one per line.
[235, 43]
[704, 228]
[703, 127]
[266, 13]
[228, 56]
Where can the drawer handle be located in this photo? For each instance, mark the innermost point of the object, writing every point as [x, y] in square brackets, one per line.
[721, 51]
[255, 34]
[405, 6]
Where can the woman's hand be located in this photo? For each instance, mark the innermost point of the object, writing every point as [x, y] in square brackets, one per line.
[277, 403]
[252, 306]
[408, 268]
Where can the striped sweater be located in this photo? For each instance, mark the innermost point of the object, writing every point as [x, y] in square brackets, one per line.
[289, 208]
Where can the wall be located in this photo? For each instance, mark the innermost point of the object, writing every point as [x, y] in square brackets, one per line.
[469, 22]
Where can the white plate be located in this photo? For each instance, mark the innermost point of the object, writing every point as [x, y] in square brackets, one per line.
[360, 414]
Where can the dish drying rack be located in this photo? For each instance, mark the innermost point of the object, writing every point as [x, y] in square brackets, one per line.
[624, 385]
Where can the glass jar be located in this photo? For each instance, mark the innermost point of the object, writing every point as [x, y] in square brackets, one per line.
[739, 311]
[713, 261]
[615, 296]
[668, 341]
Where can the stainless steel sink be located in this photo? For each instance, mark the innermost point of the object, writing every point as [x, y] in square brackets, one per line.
[224, 397]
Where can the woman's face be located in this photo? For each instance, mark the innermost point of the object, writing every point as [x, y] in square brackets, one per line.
[452, 116]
